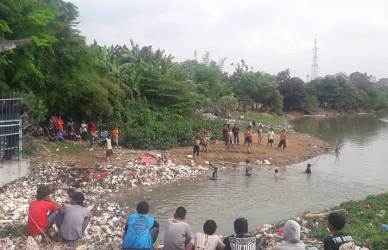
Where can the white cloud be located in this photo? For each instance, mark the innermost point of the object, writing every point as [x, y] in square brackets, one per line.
[270, 35]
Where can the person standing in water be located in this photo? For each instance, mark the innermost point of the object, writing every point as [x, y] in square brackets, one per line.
[215, 171]
[308, 169]
[248, 168]
[277, 174]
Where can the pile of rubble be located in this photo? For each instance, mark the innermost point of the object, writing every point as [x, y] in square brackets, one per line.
[107, 224]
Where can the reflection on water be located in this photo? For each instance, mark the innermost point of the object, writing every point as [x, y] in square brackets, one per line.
[359, 130]
[358, 170]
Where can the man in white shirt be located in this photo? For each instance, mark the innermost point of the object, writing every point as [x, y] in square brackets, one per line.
[271, 136]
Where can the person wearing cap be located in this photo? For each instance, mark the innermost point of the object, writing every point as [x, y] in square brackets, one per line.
[291, 237]
[73, 219]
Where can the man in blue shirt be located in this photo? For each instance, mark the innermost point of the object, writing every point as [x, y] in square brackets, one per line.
[141, 230]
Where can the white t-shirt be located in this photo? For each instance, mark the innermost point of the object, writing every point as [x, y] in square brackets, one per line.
[271, 135]
[207, 242]
[108, 143]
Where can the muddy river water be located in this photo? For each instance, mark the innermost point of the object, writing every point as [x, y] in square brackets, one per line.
[360, 169]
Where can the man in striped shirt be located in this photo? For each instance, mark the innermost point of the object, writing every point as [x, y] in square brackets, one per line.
[241, 240]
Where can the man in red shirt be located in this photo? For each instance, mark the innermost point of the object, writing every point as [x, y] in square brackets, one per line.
[93, 131]
[39, 219]
[60, 123]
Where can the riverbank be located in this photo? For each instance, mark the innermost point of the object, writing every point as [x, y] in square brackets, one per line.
[300, 147]
[108, 218]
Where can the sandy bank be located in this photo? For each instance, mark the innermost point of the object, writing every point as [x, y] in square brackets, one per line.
[300, 147]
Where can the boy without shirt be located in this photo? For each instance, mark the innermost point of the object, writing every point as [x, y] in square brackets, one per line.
[196, 144]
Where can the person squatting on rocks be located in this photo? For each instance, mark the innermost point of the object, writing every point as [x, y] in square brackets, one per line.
[41, 213]
[178, 235]
[207, 240]
[338, 240]
[141, 230]
[291, 237]
[283, 137]
[241, 239]
[72, 219]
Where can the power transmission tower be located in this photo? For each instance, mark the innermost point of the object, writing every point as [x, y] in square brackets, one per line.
[314, 66]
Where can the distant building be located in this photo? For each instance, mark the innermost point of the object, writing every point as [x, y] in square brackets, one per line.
[11, 44]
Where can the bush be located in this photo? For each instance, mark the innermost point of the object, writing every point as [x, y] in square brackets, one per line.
[363, 224]
[147, 128]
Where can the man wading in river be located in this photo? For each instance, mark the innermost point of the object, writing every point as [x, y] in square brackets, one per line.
[248, 168]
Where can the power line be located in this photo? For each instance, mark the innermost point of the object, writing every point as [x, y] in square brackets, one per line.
[314, 66]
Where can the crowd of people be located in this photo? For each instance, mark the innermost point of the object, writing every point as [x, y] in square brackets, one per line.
[231, 138]
[142, 229]
[57, 130]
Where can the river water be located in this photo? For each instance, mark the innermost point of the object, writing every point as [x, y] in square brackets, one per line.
[360, 169]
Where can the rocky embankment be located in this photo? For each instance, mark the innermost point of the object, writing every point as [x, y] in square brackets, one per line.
[108, 218]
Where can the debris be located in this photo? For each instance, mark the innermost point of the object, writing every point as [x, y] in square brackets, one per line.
[32, 244]
[108, 218]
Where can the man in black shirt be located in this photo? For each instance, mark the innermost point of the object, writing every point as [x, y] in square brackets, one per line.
[338, 239]
[241, 239]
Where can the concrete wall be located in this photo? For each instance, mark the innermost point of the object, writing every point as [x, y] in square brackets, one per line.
[12, 170]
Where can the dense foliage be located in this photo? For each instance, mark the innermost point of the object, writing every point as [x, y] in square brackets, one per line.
[145, 91]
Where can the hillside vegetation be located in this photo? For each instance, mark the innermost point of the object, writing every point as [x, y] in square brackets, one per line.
[144, 91]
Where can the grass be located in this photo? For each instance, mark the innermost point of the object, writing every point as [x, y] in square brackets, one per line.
[39, 146]
[364, 219]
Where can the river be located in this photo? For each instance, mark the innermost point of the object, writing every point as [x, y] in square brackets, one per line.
[359, 170]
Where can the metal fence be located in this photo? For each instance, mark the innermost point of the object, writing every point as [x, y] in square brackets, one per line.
[10, 129]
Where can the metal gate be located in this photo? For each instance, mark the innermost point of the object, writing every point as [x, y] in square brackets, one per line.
[10, 129]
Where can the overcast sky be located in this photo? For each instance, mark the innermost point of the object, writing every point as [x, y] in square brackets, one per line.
[270, 35]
